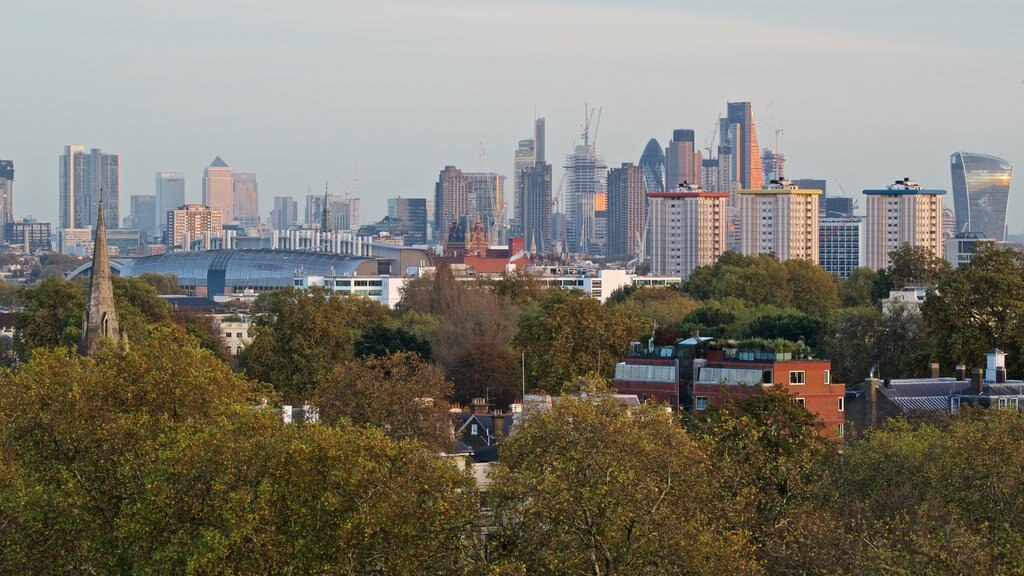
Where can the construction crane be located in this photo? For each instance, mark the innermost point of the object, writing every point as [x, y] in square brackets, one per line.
[597, 124]
[711, 141]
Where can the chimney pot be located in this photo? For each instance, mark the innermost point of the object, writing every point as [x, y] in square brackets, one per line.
[934, 369]
[961, 372]
[1001, 375]
[977, 381]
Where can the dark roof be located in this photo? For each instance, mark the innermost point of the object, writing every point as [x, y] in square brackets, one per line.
[218, 163]
[7, 319]
[193, 303]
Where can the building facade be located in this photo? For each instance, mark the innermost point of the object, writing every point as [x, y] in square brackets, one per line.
[143, 215]
[839, 244]
[451, 200]
[218, 188]
[192, 222]
[780, 219]
[412, 212]
[739, 133]
[245, 199]
[342, 211]
[6, 197]
[285, 213]
[652, 162]
[682, 160]
[773, 165]
[586, 178]
[84, 178]
[627, 214]
[902, 213]
[687, 230]
[170, 193]
[33, 236]
[529, 154]
[485, 202]
[981, 189]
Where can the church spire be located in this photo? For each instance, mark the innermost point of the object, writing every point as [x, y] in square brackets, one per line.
[100, 318]
[325, 224]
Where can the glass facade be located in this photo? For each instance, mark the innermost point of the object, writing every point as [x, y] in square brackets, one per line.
[839, 245]
[981, 187]
[652, 162]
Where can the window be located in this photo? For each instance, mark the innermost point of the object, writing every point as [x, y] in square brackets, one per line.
[842, 429]
[842, 403]
[828, 378]
[1003, 402]
[700, 403]
[238, 335]
[227, 334]
[796, 377]
[473, 430]
[954, 405]
[801, 401]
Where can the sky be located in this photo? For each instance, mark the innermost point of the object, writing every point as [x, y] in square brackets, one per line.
[376, 97]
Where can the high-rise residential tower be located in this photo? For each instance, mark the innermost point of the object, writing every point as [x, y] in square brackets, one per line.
[652, 162]
[218, 189]
[839, 244]
[981, 188]
[6, 196]
[190, 222]
[71, 186]
[83, 175]
[285, 213]
[170, 194]
[627, 213]
[780, 219]
[682, 160]
[451, 200]
[740, 133]
[687, 229]
[901, 213]
[245, 199]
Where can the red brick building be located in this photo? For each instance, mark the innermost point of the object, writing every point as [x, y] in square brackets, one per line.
[650, 378]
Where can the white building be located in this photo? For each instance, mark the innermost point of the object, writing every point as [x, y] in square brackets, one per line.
[234, 331]
[960, 248]
[688, 228]
[902, 213]
[386, 290]
[780, 219]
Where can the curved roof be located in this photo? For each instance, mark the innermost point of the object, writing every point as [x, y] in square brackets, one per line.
[257, 269]
[652, 162]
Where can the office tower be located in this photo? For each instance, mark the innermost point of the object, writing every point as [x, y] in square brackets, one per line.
[245, 199]
[839, 244]
[981, 187]
[170, 193]
[413, 213]
[740, 134]
[82, 176]
[652, 163]
[451, 200]
[218, 189]
[143, 215]
[682, 160]
[529, 154]
[948, 224]
[902, 213]
[190, 222]
[773, 165]
[34, 236]
[6, 197]
[71, 186]
[485, 202]
[343, 212]
[537, 232]
[100, 319]
[780, 219]
[627, 197]
[285, 213]
[586, 177]
[687, 230]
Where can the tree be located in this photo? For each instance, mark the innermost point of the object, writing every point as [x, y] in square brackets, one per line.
[587, 488]
[789, 325]
[859, 288]
[668, 307]
[305, 334]
[814, 291]
[400, 394]
[205, 330]
[519, 287]
[486, 369]
[163, 283]
[52, 316]
[567, 335]
[914, 266]
[8, 295]
[382, 340]
[852, 343]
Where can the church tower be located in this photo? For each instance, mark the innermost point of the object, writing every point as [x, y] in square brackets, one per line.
[100, 318]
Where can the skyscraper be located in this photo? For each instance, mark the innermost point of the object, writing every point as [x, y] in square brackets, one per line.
[143, 215]
[6, 196]
[343, 211]
[687, 229]
[652, 162]
[190, 222]
[780, 219]
[981, 188]
[535, 183]
[773, 165]
[285, 213]
[413, 214]
[245, 199]
[451, 200]
[586, 178]
[740, 133]
[529, 154]
[71, 186]
[218, 189]
[902, 213]
[170, 194]
[682, 160]
[627, 214]
[485, 201]
[82, 177]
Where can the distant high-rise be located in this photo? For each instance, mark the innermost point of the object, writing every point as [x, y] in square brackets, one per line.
[143, 215]
[6, 197]
[529, 154]
[773, 165]
[82, 177]
[981, 188]
[71, 186]
[285, 213]
[190, 222]
[586, 178]
[740, 133]
[343, 211]
[170, 193]
[780, 219]
[218, 188]
[839, 245]
[535, 184]
[245, 199]
[902, 213]
[486, 201]
[652, 162]
[682, 160]
[687, 230]
[413, 214]
[627, 193]
[451, 200]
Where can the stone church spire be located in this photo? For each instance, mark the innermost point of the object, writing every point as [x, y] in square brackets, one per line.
[100, 318]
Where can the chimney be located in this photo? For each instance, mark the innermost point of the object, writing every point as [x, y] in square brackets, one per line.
[499, 423]
[479, 406]
[1000, 375]
[933, 369]
[961, 372]
[977, 381]
[994, 359]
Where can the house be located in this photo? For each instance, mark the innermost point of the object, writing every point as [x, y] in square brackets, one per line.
[661, 374]
[478, 431]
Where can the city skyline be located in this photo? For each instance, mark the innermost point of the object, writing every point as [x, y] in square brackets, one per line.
[299, 134]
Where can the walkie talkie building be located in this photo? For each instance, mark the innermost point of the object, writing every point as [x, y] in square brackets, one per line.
[981, 187]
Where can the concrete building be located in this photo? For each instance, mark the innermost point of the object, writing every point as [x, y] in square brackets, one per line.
[682, 160]
[32, 236]
[780, 219]
[82, 178]
[902, 213]
[386, 290]
[627, 209]
[285, 213]
[839, 244]
[981, 189]
[687, 230]
[170, 193]
[6, 196]
[191, 222]
[233, 330]
[75, 241]
[71, 187]
[451, 200]
[218, 189]
[245, 199]
[960, 248]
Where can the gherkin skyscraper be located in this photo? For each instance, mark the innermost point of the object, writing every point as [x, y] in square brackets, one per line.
[652, 163]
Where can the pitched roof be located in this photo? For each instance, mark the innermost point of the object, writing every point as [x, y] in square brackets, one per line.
[218, 163]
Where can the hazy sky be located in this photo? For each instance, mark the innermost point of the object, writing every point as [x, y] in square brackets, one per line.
[386, 93]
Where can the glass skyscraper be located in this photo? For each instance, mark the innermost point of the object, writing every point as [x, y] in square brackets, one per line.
[652, 162]
[981, 187]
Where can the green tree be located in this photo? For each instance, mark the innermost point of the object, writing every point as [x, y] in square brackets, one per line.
[382, 340]
[790, 325]
[668, 307]
[8, 295]
[813, 290]
[52, 316]
[568, 335]
[164, 284]
[852, 343]
[914, 266]
[587, 488]
[486, 369]
[859, 289]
